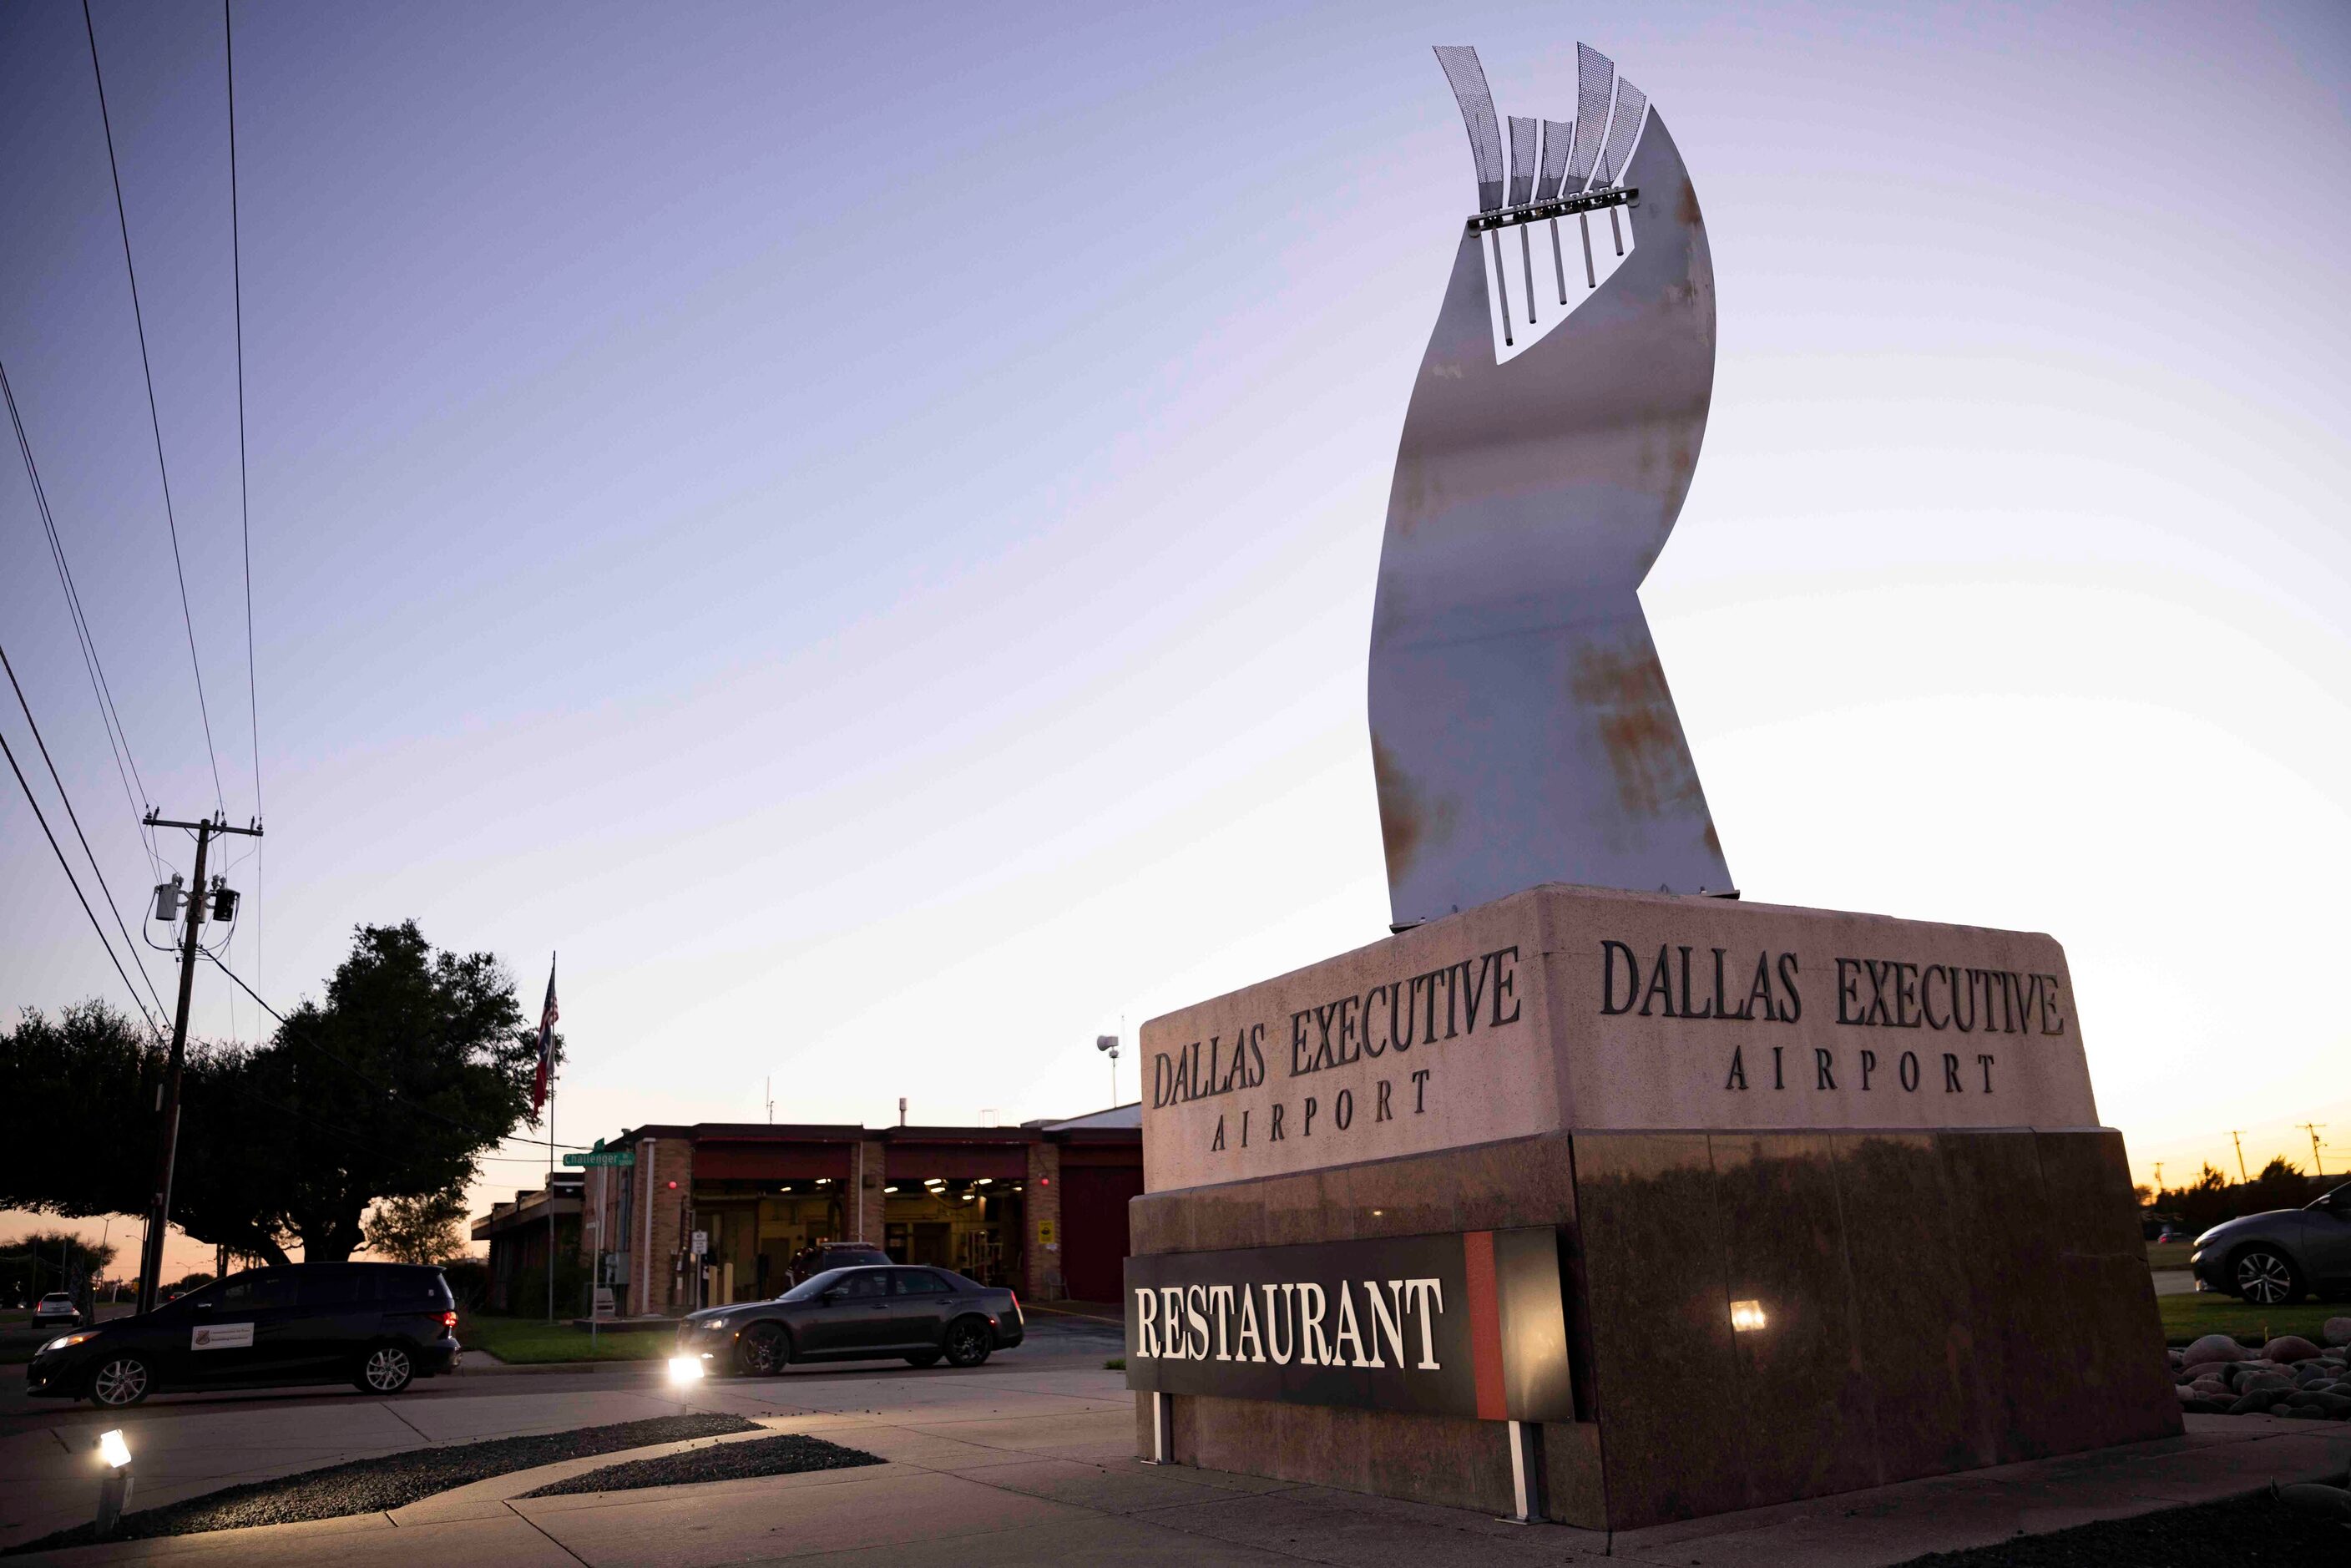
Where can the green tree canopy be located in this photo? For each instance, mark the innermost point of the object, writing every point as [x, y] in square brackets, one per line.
[415, 1064]
[418, 1229]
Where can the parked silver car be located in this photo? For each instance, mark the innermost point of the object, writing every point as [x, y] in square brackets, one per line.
[2273, 1259]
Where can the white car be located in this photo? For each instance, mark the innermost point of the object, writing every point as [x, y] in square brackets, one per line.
[56, 1307]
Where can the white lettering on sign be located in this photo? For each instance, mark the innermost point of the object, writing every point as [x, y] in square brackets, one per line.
[1198, 1322]
[222, 1336]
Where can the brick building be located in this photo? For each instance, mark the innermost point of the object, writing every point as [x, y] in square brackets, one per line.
[1040, 1207]
[518, 1235]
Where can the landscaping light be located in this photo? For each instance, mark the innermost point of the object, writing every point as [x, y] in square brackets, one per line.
[1746, 1317]
[114, 1488]
[685, 1369]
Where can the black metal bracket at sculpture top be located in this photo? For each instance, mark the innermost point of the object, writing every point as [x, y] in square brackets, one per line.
[1558, 207]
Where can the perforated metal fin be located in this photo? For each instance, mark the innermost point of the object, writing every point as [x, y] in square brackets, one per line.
[1595, 80]
[1523, 141]
[1622, 131]
[1468, 80]
[1556, 135]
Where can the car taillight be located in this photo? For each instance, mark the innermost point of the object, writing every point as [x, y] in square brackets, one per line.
[448, 1320]
[1016, 1303]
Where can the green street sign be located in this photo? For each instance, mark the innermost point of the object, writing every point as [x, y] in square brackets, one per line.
[617, 1157]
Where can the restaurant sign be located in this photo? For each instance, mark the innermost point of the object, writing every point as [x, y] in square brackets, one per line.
[1468, 1324]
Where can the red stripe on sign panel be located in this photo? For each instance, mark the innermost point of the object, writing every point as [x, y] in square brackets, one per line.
[1485, 1325]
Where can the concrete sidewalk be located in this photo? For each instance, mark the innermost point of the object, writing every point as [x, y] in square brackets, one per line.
[1038, 1466]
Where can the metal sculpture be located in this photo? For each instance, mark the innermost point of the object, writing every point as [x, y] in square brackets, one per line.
[1522, 728]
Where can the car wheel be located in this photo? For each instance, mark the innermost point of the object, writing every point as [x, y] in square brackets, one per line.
[762, 1351]
[923, 1358]
[2266, 1277]
[121, 1381]
[387, 1369]
[967, 1343]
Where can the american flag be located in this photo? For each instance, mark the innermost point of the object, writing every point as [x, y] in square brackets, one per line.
[546, 1079]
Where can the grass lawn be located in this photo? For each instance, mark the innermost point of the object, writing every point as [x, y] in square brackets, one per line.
[529, 1340]
[2192, 1317]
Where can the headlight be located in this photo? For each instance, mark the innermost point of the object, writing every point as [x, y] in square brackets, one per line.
[715, 1326]
[65, 1342]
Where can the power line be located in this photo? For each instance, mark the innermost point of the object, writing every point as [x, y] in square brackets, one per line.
[118, 739]
[244, 487]
[66, 866]
[155, 420]
[75, 818]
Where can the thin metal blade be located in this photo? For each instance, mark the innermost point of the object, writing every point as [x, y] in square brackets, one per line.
[1523, 134]
[1556, 136]
[1468, 80]
[1622, 131]
[1595, 81]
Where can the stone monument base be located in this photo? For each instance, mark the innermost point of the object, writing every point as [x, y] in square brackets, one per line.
[1930, 1301]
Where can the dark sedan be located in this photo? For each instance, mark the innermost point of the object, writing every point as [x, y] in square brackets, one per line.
[2272, 1259]
[375, 1325]
[869, 1314]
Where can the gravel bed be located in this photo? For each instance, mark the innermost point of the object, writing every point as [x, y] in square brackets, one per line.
[393, 1481]
[780, 1456]
[2258, 1529]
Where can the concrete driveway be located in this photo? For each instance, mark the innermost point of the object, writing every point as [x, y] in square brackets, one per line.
[1029, 1460]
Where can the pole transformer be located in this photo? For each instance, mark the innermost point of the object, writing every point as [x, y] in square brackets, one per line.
[151, 1259]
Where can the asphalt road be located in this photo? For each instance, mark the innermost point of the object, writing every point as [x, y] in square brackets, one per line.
[1053, 1340]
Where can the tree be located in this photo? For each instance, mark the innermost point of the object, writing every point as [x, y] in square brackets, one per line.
[76, 1111]
[418, 1229]
[415, 1064]
[32, 1266]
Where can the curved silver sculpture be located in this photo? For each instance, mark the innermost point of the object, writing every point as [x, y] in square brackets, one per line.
[1522, 728]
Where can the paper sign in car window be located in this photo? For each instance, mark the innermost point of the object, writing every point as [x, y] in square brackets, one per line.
[222, 1336]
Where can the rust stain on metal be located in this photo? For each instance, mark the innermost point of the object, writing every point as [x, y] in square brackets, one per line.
[1407, 822]
[1633, 714]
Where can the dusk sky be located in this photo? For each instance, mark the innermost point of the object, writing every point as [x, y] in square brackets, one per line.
[857, 525]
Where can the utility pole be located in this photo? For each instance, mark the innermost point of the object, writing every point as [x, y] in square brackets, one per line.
[2238, 1133]
[2313, 1129]
[2159, 1178]
[150, 1261]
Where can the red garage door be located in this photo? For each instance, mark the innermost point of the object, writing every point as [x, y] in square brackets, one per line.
[1093, 1229]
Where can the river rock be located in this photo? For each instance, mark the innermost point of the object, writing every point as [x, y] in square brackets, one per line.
[2212, 1347]
[2337, 1331]
[2287, 1349]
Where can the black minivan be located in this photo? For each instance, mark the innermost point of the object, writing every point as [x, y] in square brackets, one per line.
[374, 1325]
